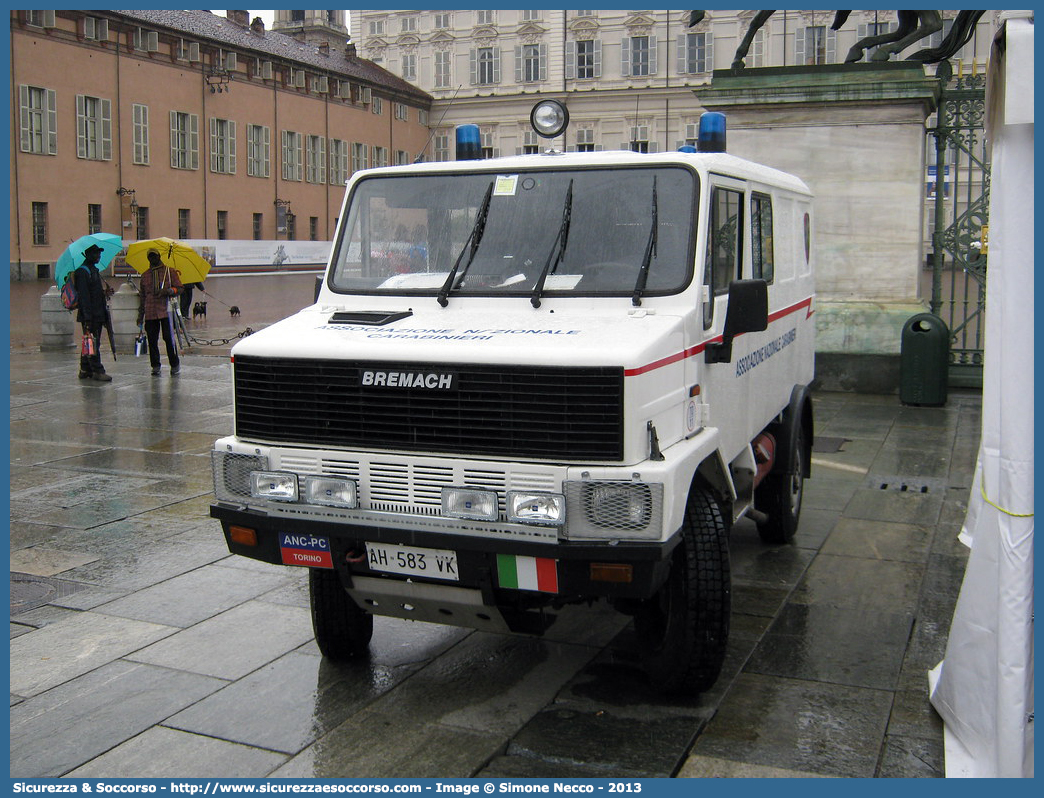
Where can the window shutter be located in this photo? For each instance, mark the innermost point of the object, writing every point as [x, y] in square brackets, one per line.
[140, 119]
[654, 146]
[799, 46]
[231, 62]
[299, 164]
[598, 58]
[194, 52]
[231, 146]
[213, 145]
[519, 74]
[285, 135]
[709, 64]
[543, 61]
[653, 67]
[321, 171]
[473, 66]
[265, 153]
[106, 129]
[23, 104]
[570, 60]
[683, 54]
[194, 141]
[831, 46]
[598, 148]
[496, 65]
[81, 121]
[174, 139]
[52, 123]
[625, 57]
[101, 30]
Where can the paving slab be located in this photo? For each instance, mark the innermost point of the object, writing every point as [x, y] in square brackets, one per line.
[879, 540]
[43, 561]
[72, 647]
[161, 753]
[861, 584]
[80, 719]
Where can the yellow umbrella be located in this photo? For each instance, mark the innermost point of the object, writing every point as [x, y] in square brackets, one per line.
[188, 263]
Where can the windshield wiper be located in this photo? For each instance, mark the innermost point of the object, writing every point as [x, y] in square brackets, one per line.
[474, 239]
[560, 243]
[650, 250]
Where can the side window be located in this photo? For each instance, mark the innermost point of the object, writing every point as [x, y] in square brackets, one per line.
[724, 245]
[761, 237]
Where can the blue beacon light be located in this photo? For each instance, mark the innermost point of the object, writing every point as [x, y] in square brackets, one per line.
[712, 132]
[469, 143]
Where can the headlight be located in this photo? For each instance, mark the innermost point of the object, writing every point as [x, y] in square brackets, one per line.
[330, 491]
[618, 505]
[536, 508]
[273, 485]
[469, 503]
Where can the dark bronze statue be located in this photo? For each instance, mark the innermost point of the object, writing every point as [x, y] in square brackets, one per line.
[913, 26]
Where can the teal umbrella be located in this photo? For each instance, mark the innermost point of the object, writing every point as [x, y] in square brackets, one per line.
[109, 243]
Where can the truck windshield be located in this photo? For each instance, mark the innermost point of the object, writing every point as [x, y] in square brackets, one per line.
[404, 233]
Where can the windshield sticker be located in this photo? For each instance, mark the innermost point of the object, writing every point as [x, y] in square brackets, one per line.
[423, 334]
[505, 186]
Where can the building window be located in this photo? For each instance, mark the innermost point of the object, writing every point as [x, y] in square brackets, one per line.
[530, 145]
[814, 45]
[291, 227]
[380, 156]
[442, 69]
[585, 140]
[530, 63]
[441, 20]
[639, 138]
[183, 223]
[583, 59]
[485, 66]
[401, 157]
[402, 112]
[297, 16]
[39, 120]
[140, 124]
[316, 155]
[40, 19]
[359, 157]
[409, 67]
[880, 29]
[258, 141]
[293, 147]
[639, 56]
[485, 17]
[184, 140]
[442, 146]
[695, 53]
[488, 150]
[530, 16]
[93, 128]
[259, 225]
[222, 225]
[409, 25]
[377, 105]
[94, 219]
[377, 27]
[313, 228]
[756, 55]
[585, 13]
[223, 146]
[141, 223]
[338, 162]
[40, 223]
[761, 237]
[422, 117]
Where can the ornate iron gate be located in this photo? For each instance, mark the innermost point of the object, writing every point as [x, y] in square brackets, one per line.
[962, 197]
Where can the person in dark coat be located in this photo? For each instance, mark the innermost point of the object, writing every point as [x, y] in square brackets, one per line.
[91, 312]
[186, 298]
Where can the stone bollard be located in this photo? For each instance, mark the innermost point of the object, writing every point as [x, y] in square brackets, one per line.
[123, 307]
[58, 325]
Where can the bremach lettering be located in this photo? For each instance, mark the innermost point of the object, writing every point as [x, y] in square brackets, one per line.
[408, 379]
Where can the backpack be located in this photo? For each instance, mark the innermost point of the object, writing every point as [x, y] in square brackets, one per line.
[70, 300]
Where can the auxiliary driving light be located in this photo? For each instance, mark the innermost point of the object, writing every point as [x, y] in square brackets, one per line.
[549, 118]
[470, 503]
[273, 485]
[330, 491]
[536, 508]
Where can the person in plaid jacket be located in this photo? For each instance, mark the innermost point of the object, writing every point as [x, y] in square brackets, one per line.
[158, 284]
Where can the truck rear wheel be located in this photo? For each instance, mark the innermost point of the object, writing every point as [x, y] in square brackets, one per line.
[779, 495]
[342, 629]
[684, 628]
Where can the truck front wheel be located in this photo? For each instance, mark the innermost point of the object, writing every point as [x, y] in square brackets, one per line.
[342, 630]
[684, 629]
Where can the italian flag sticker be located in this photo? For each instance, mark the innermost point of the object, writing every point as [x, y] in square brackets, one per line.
[527, 573]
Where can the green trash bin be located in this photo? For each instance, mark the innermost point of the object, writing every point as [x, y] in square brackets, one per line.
[924, 361]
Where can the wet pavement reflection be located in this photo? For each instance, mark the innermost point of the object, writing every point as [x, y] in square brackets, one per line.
[130, 618]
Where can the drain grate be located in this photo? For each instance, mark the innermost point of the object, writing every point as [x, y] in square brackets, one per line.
[828, 445]
[907, 484]
[29, 591]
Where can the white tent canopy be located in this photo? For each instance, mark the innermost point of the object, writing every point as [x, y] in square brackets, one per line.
[984, 687]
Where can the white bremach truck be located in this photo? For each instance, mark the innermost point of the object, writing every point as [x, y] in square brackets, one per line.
[530, 382]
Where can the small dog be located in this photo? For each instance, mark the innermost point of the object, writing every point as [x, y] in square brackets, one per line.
[199, 309]
[233, 311]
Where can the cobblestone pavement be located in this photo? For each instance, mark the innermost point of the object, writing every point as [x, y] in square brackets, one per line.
[140, 647]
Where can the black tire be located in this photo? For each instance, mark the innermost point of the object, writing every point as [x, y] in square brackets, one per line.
[684, 629]
[342, 629]
[779, 495]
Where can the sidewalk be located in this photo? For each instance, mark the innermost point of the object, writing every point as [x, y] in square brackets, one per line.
[140, 648]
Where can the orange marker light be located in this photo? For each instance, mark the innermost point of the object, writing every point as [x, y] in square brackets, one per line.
[243, 535]
[611, 572]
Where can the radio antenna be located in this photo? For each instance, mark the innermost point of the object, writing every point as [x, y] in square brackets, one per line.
[635, 131]
[420, 155]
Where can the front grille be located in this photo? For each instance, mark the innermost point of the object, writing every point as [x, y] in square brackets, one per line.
[493, 411]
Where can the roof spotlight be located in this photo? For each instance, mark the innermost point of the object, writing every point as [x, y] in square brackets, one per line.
[549, 118]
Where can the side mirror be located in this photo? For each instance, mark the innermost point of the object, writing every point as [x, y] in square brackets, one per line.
[747, 312]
